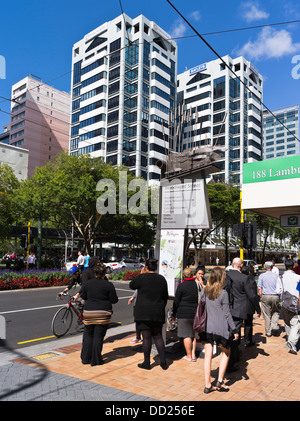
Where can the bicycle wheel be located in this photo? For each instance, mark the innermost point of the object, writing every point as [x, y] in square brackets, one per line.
[62, 321]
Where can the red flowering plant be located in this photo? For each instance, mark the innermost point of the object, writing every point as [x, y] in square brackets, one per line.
[32, 279]
[131, 274]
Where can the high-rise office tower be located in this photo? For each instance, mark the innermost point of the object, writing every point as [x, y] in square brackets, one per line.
[278, 141]
[40, 119]
[215, 109]
[123, 88]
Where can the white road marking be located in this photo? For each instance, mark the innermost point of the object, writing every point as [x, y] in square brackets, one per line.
[43, 308]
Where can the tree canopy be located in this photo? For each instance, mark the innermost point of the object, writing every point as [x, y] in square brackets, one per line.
[9, 184]
[66, 191]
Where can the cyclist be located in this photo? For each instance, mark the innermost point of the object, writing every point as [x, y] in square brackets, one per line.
[75, 279]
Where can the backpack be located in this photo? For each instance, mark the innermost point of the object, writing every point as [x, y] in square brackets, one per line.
[290, 302]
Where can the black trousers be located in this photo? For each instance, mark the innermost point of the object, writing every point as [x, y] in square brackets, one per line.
[248, 329]
[92, 344]
[234, 354]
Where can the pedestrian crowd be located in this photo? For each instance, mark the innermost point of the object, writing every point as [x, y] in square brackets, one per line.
[17, 261]
[230, 298]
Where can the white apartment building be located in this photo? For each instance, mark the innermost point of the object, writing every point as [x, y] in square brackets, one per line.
[123, 88]
[218, 110]
[278, 141]
[40, 118]
[16, 158]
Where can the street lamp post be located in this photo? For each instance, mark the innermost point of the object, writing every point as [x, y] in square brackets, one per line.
[242, 221]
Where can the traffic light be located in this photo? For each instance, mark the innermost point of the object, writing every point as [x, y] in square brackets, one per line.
[238, 229]
[249, 238]
[247, 232]
[23, 241]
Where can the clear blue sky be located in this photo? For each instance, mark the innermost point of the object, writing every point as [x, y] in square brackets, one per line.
[37, 37]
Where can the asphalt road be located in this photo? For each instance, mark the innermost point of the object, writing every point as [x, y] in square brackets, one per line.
[28, 314]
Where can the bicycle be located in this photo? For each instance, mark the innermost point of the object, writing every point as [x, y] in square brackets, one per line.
[63, 318]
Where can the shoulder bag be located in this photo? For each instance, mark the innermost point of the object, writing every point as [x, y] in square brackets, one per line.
[200, 316]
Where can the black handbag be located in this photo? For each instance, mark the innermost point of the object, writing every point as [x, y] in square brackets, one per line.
[200, 317]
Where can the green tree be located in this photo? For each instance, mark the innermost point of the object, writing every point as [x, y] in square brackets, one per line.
[66, 191]
[266, 226]
[9, 184]
[224, 202]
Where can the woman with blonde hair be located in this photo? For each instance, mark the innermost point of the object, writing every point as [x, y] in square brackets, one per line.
[219, 327]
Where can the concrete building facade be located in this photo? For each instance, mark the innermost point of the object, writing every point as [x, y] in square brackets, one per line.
[278, 141]
[16, 158]
[40, 118]
[123, 88]
[220, 111]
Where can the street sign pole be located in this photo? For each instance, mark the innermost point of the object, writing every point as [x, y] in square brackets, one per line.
[28, 244]
[242, 221]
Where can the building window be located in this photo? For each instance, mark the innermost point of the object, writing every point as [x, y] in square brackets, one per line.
[77, 72]
[219, 87]
[146, 58]
[132, 54]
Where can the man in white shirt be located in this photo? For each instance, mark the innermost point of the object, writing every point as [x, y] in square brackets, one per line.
[290, 305]
[31, 261]
[80, 261]
[274, 268]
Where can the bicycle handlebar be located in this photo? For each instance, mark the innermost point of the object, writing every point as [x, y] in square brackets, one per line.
[64, 294]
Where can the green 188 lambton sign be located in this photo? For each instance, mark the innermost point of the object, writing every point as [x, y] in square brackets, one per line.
[271, 170]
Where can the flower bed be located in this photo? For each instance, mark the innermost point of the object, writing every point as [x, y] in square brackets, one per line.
[124, 274]
[32, 279]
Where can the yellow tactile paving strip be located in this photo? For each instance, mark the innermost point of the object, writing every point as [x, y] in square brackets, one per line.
[267, 372]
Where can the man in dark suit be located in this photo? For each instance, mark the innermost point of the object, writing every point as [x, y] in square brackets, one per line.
[241, 295]
[248, 323]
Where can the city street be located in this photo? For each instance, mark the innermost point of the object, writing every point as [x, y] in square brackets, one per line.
[29, 313]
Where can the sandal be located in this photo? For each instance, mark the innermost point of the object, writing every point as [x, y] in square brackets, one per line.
[187, 359]
[220, 387]
[209, 389]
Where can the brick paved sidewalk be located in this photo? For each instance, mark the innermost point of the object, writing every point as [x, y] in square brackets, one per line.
[267, 372]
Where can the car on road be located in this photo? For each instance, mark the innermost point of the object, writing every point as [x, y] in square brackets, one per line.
[252, 263]
[113, 265]
[247, 263]
[131, 262]
[125, 263]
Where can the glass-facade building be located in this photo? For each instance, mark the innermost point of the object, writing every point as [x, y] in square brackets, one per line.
[279, 139]
[123, 89]
[219, 110]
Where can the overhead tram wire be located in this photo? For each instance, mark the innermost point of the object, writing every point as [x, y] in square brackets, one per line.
[225, 31]
[226, 65]
[169, 39]
[88, 143]
[123, 15]
[47, 115]
[54, 130]
[175, 38]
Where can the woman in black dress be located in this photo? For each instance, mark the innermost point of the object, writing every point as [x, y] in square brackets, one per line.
[99, 294]
[184, 308]
[149, 310]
